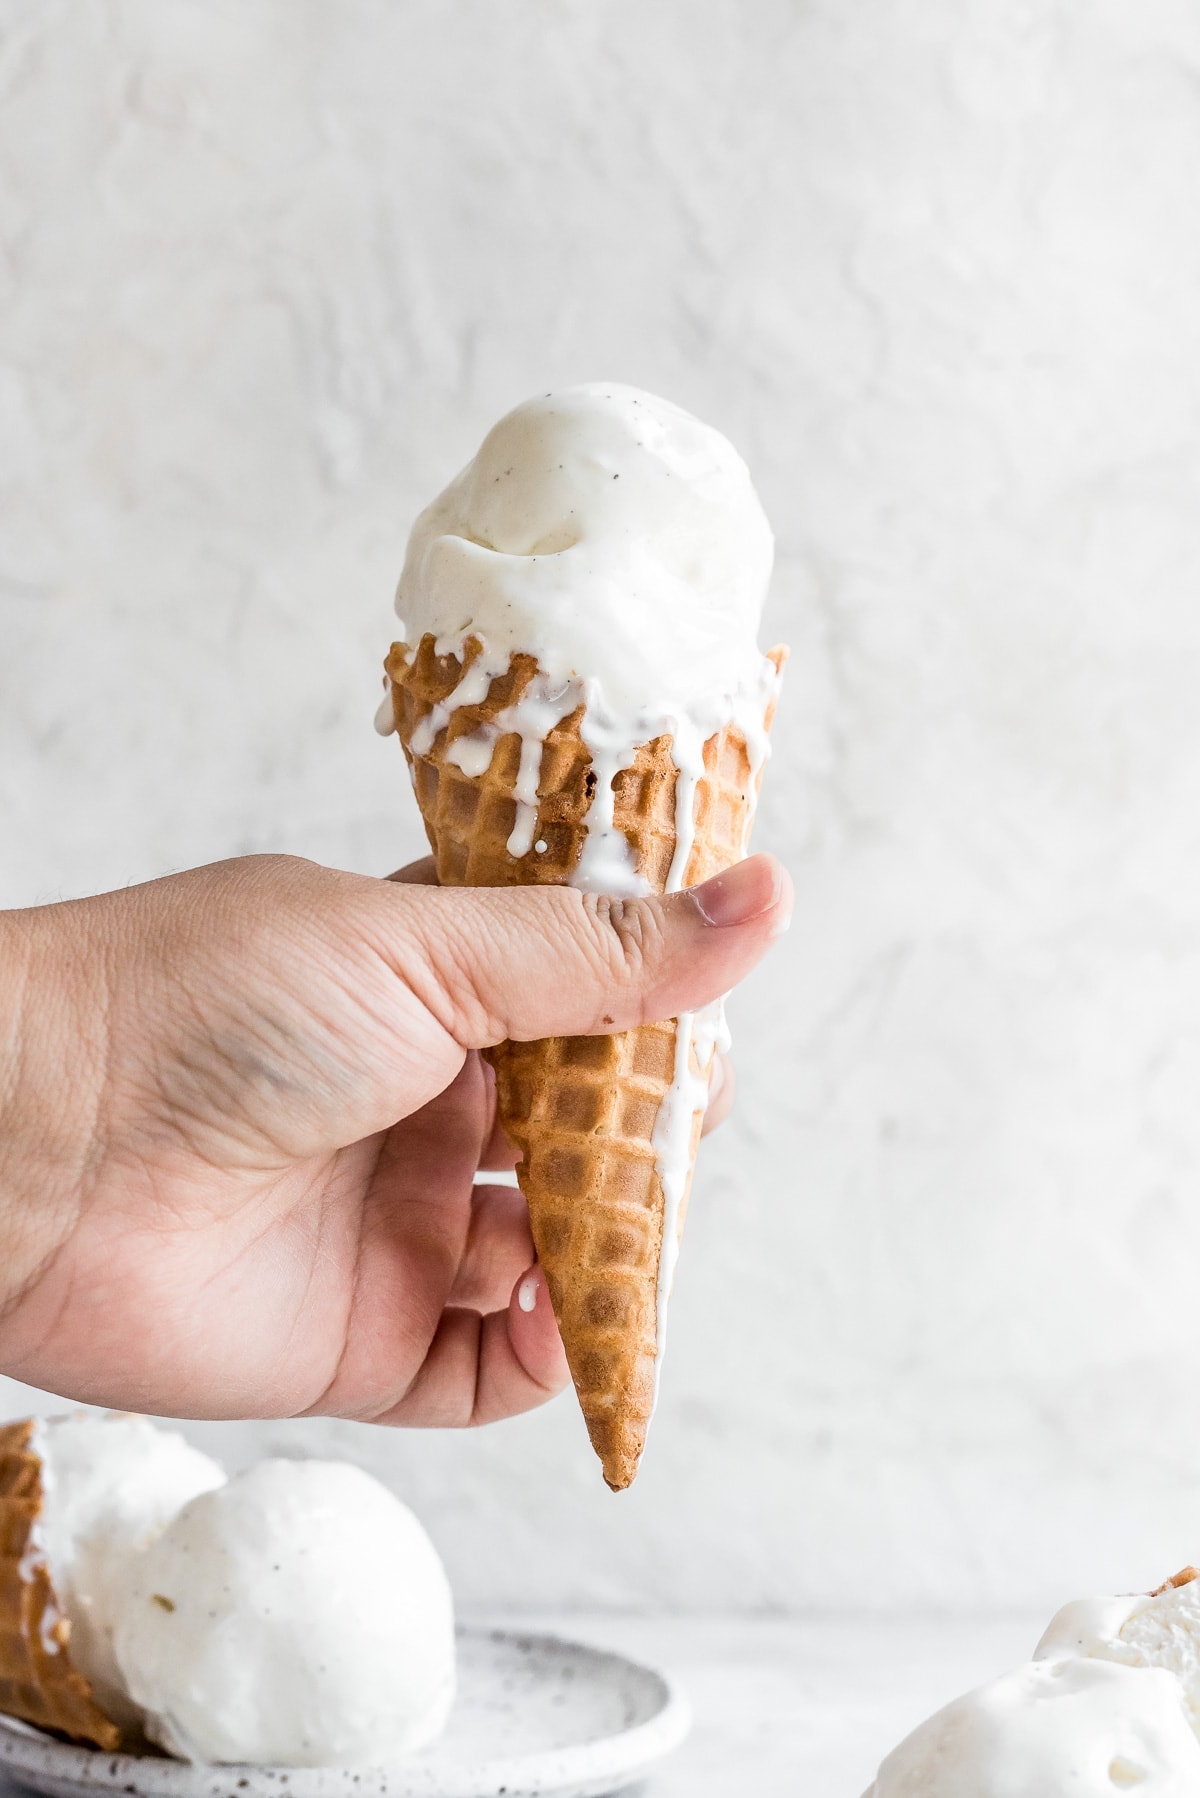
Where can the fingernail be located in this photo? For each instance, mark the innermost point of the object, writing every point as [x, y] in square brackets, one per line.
[716, 1079]
[745, 892]
[527, 1292]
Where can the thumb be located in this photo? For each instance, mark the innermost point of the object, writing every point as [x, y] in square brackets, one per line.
[527, 962]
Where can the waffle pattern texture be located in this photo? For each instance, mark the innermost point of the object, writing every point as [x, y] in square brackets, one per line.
[581, 1110]
[37, 1679]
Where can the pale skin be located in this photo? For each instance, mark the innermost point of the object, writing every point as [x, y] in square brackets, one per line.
[241, 1114]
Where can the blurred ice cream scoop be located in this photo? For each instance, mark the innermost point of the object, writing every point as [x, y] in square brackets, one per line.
[298, 1616]
[109, 1484]
[1110, 1703]
[1077, 1728]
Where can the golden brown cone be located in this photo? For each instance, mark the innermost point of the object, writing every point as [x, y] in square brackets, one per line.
[1184, 1577]
[581, 1110]
[37, 1678]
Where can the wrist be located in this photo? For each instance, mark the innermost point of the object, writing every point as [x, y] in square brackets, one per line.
[48, 1088]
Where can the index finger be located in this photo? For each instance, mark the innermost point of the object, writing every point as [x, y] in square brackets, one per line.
[417, 874]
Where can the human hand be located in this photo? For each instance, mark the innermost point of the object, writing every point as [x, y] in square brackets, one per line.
[241, 1113]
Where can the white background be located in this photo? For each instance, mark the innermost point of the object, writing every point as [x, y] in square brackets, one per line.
[269, 268]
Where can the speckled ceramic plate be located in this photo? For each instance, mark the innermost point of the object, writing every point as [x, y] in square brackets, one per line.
[535, 1717]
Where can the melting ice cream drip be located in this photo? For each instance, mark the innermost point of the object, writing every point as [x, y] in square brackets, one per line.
[385, 717]
[35, 1558]
[745, 710]
[698, 1036]
[607, 861]
[473, 754]
[543, 705]
[36, 1555]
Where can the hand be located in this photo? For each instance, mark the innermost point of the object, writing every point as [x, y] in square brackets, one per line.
[241, 1112]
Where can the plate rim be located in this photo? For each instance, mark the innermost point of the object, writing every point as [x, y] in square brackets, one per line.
[576, 1768]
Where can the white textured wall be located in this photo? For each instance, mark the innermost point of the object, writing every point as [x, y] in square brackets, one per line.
[268, 268]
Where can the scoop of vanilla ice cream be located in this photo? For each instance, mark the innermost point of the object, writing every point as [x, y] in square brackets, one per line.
[1079, 1727]
[110, 1484]
[1111, 1701]
[297, 1616]
[1159, 1631]
[1085, 1627]
[607, 532]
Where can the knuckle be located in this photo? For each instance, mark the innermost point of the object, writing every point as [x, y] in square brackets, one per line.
[628, 933]
[446, 978]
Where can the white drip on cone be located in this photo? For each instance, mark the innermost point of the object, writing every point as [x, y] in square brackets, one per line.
[385, 717]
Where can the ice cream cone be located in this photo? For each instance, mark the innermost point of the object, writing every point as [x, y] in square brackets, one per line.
[585, 1112]
[1184, 1577]
[38, 1681]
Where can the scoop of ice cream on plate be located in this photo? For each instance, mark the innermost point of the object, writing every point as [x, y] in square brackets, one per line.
[80, 1497]
[296, 1615]
[1110, 1703]
[110, 1485]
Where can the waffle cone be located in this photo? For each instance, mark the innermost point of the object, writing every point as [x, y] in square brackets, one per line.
[581, 1110]
[37, 1678]
[1184, 1577]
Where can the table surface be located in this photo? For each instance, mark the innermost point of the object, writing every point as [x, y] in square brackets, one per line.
[788, 1708]
[804, 1709]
